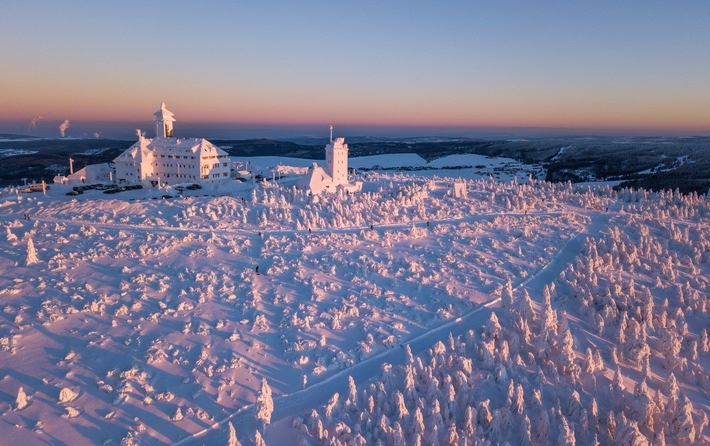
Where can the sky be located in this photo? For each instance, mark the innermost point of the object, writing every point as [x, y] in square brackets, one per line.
[636, 66]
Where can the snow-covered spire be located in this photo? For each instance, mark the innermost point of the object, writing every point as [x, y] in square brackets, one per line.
[163, 122]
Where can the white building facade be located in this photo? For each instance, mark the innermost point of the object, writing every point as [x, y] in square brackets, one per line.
[336, 161]
[169, 160]
[335, 174]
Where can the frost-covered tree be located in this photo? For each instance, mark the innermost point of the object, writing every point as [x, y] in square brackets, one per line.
[452, 436]
[21, 400]
[233, 441]
[264, 405]
[630, 435]
[589, 364]
[418, 422]
[351, 402]
[400, 409]
[469, 424]
[525, 432]
[542, 431]
[506, 298]
[495, 427]
[517, 405]
[31, 253]
[682, 425]
[704, 343]
[618, 382]
[492, 330]
[330, 407]
[644, 407]
[398, 435]
[258, 439]
[525, 307]
[566, 436]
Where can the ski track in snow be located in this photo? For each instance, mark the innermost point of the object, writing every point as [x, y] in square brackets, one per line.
[289, 405]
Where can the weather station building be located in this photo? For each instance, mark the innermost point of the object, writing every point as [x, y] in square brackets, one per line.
[335, 174]
[166, 159]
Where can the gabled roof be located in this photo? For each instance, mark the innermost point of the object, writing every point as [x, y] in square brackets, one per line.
[177, 146]
[316, 180]
[137, 152]
[147, 148]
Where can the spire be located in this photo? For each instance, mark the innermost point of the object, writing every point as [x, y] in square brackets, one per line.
[331, 133]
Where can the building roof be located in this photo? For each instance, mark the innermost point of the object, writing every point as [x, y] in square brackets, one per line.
[137, 152]
[145, 148]
[316, 180]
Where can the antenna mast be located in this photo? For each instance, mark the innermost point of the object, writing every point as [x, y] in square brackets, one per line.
[331, 133]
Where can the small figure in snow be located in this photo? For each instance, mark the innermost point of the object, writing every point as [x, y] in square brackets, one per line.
[305, 380]
[372, 228]
[427, 223]
[309, 230]
[256, 269]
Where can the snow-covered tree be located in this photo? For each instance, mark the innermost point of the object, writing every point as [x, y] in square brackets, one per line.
[21, 400]
[682, 425]
[31, 253]
[566, 436]
[630, 435]
[264, 404]
[542, 431]
[233, 441]
[351, 402]
[400, 409]
[258, 439]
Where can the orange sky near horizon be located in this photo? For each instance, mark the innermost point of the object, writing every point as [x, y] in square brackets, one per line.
[596, 67]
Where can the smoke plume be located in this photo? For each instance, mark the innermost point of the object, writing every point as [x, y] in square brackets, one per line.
[33, 122]
[63, 127]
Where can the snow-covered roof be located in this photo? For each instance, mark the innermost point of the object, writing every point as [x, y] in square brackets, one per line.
[137, 152]
[338, 143]
[170, 146]
[184, 145]
[163, 114]
[316, 180]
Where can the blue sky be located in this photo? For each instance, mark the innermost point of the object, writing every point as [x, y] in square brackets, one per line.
[636, 66]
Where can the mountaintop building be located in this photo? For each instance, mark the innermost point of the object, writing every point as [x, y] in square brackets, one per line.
[166, 159]
[335, 173]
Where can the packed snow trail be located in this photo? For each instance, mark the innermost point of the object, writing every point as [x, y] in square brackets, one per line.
[289, 405]
[266, 232]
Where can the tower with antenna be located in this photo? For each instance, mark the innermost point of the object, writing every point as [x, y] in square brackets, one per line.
[336, 159]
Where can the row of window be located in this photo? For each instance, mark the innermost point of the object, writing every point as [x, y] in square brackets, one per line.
[176, 156]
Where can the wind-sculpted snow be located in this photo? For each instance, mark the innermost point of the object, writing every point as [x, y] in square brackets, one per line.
[609, 365]
[133, 320]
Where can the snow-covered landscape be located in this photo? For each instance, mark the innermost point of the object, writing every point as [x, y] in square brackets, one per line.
[523, 312]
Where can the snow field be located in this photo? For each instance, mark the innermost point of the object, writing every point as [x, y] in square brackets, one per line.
[144, 320]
